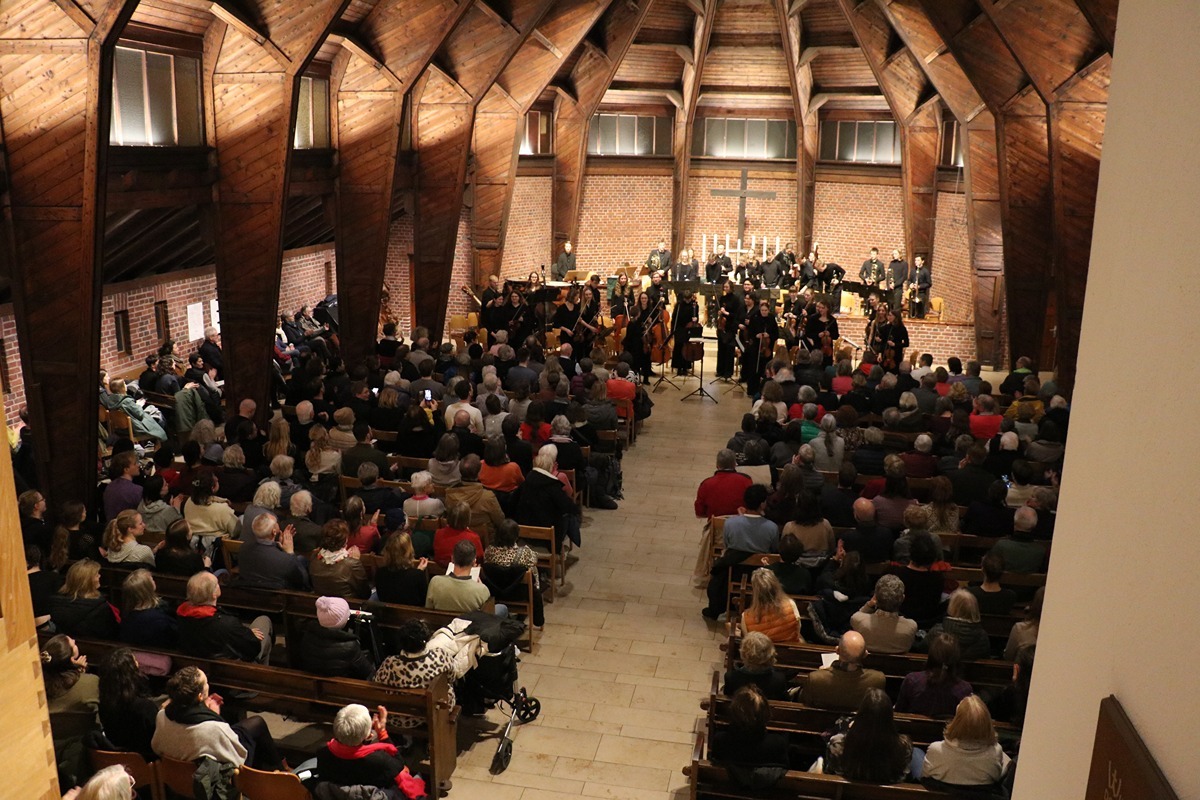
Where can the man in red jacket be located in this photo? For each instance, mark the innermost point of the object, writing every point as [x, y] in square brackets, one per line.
[719, 495]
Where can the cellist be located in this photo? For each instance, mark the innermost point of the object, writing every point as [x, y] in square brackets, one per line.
[684, 325]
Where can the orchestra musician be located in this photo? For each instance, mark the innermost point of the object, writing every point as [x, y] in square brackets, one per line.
[565, 263]
[895, 341]
[520, 321]
[871, 272]
[821, 331]
[923, 281]
[622, 298]
[829, 282]
[897, 277]
[659, 259]
[730, 314]
[719, 266]
[759, 333]
[685, 323]
[566, 319]
[492, 291]
[687, 269]
[808, 270]
[635, 331]
[656, 289]
[492, 315]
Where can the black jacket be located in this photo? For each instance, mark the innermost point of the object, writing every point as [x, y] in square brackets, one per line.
[266, 566]
[83, 618]
[333, 653]
[377, 769]
[542, 501]
[219, 636]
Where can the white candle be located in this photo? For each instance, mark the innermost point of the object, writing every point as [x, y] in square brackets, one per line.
[739, 247]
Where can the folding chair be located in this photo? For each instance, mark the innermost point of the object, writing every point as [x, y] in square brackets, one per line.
[175, 776]
[258, 785]
[141, 770]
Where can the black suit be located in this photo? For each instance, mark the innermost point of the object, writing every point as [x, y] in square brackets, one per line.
[898, 271]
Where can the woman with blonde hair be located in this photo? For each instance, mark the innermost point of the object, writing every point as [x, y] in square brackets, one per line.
[342, 434]
[963, 623]
[970, 754]
[771, 612]
[322, 458]
[279, 442]
[145, 621]
[757, 669]
[78, 608]
[402, 577]
[121, 540]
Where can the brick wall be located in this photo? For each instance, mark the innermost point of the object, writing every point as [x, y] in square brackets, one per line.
[851, 218]
[461, 275]
[305, 279]
[623, 218]
[950, 264]
[708, 215]
[398, 272]
[527, 242]
[942, 341]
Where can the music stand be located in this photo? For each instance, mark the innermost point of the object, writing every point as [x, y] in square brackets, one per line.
[662, 378]
[699, 390]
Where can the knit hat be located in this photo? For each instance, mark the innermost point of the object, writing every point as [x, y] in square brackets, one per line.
[214, 453]
[332, 612]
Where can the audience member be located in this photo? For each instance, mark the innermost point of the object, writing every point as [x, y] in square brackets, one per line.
[845, 683]
[771, 611]
[870, 749]
[78, 608]
[1025, 632]
[127, 707]
[207, 632]
[145, 620]
[267, 560]
[336, 569]
[485, 509]
[1020, 552]
[459, 590]
[757, 668]
[328, 648]
[746, 743]
[401, 577]
[938, 689]
[879, 621]
[970, 754]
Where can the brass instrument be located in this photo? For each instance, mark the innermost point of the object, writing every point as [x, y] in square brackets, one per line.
[655, 262]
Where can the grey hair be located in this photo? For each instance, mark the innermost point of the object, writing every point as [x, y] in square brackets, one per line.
[267, 495]
[283, 466]
[726, 459]
[301, 503]
[368, 472]
[422, 481]
[110, 783]
[264, 526]
[546, 457]
[806, 394]
[352, 725]
[873, 436]
[889, 593]
[560, 426]
[234, 457]
[1025, 519]
[810, 411]
[828, 424]
[806, 454]
[908, 401]
[923, 444]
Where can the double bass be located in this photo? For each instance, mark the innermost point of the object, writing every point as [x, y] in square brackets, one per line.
[658, 333]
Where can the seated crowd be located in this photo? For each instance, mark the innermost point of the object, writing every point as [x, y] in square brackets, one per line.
[814, 496]
[490, 443]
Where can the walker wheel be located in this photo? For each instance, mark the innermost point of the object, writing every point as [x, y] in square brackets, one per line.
[529, 709]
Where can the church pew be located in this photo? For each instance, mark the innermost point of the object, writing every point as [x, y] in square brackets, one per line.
[298, 694]
[968, 575]
[707, 780]
[804, 658]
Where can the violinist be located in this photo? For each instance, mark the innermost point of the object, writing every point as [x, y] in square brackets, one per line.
[589, 314]
[821, 331]
[759, 334]
[520, 320]
[621, 298]
[730, 314]
[566, 318]
[684, 325]
[492, 315]
[808, 271]
[635, 332]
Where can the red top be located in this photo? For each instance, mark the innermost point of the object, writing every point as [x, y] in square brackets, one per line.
[721, 494]
[445, 539]
[365, 539]
[621, 389]
[985, 426]
[842, 384]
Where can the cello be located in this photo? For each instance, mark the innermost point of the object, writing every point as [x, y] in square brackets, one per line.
[658, 334]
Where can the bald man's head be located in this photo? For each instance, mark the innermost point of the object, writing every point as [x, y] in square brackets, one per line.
[864, 510]
[462, 418]
[851, 649]
[1024, 520]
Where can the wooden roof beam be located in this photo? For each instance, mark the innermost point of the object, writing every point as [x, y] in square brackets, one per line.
[683, 51]
[541, 39]
[810, 54]
[796, 7]
[800, 82]
[229, 14]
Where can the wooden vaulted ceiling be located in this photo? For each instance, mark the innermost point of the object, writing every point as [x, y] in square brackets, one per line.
[427, 100]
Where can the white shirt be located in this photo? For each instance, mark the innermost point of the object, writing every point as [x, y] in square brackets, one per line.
[476, 416]
[921, 372]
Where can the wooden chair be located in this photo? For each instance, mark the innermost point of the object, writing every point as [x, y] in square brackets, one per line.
[139, 769]
[576, 494]
[549, 557]
[230, 548]
[522, 605]
[626, 424]
[408, 465]
[175, 776]
[388, 437]
[258, 785]
[937, 307]
[347, 486]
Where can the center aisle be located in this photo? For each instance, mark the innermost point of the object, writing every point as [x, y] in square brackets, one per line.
[625, 657]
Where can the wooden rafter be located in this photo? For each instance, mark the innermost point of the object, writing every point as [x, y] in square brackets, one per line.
[685, 119]
[800, 81]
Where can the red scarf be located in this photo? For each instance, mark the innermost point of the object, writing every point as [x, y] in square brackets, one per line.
[186, 609]
[347, 752]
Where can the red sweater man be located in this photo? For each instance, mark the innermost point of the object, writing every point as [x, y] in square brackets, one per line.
[721, 494]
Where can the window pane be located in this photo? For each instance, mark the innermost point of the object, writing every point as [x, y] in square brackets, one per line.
[756, 138]
[594, 136]
[884, 144]
[865, 136]
[776, 139]
[545, 133]
[160, 81]
[320, 112]
[714, 143]
[645, 136]
[188, 114]
[735, 138]
[132, 99]
[698, 130]
[829, 131]
[845, 146]
[303, 137]
[626, 134]
[608, 134]
[663, 137]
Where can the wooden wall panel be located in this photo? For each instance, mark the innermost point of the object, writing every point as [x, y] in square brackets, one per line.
[54, 106]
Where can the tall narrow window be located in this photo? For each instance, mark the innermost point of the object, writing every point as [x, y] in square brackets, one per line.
[156, 99]
[952, 154]
[537, 138]
[121, 327]
[312, 114]
[162, 321]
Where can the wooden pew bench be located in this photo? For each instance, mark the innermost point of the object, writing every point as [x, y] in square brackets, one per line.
[308, 697]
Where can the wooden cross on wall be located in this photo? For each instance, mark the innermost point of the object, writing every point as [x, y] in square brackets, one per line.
[742, 194]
